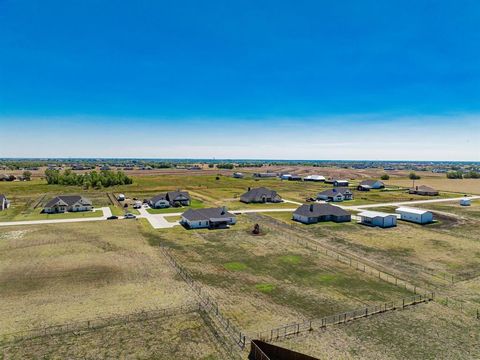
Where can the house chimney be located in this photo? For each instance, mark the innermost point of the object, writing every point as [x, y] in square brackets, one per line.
[224, 210]
[311, 207]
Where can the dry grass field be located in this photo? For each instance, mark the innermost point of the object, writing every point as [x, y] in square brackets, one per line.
[266, 281]
[449, 247]
[182, 336]
[53, 274]
[428, 331]
[460, 186]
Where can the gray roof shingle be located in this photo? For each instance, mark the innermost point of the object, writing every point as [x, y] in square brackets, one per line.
[68, 200]
[207, 214]
[316, 210]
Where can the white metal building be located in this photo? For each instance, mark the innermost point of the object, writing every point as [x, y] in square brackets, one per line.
[380, 219]
[419, 216]
[314, 178]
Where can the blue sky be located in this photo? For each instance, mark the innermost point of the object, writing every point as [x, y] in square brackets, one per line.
[245, 79]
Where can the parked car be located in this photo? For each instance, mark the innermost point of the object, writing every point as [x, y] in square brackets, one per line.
[130, 216]
[113, 217]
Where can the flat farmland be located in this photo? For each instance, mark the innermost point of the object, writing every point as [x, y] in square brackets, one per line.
[460, 186]
[55, 274]
[266, 281]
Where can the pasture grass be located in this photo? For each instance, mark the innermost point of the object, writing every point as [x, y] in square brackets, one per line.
[270, 274]
[68, 272]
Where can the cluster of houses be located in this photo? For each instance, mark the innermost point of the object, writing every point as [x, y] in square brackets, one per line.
[220, 217]
[7, 177]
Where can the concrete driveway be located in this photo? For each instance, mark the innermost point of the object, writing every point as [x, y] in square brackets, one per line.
[106, 213]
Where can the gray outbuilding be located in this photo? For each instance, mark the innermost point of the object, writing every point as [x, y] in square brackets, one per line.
[375, 218]
[419, 216]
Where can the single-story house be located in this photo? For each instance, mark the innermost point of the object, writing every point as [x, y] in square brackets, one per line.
[70, 203]
[336, 195]
[5, 177]
[159, 201]
[314, 178]
[294, 178]
[260, 195]
[423, 190]
[367, 185]
[313, 213]
[419, 216]
[465, 202]
[211, 218]
[170, 198]
[238, 175]
[265, 175]
[4, 203]
[380, 219]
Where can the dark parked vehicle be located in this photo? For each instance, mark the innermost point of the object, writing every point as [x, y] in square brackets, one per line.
[130, 216]
[113, 217]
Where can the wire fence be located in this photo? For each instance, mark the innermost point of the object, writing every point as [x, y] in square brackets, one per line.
[100, 322]
[208, 305]
[313, 244]
[445, 277]
[294, 329]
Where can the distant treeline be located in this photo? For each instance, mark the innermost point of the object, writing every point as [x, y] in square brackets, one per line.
[462, 175]
[93, 179]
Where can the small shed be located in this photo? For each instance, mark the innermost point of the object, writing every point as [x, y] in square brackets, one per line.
[465, 202]
[340, 183]
[419, 216]
[380, 219]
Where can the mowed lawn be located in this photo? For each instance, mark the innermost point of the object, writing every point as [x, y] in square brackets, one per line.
[58, 273]
[266, 281]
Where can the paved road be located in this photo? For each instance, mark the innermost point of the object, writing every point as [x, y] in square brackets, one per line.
[106, 213]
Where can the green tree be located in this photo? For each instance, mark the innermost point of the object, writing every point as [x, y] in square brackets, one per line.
[385, 177]
[27, 175]
[414, 176]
